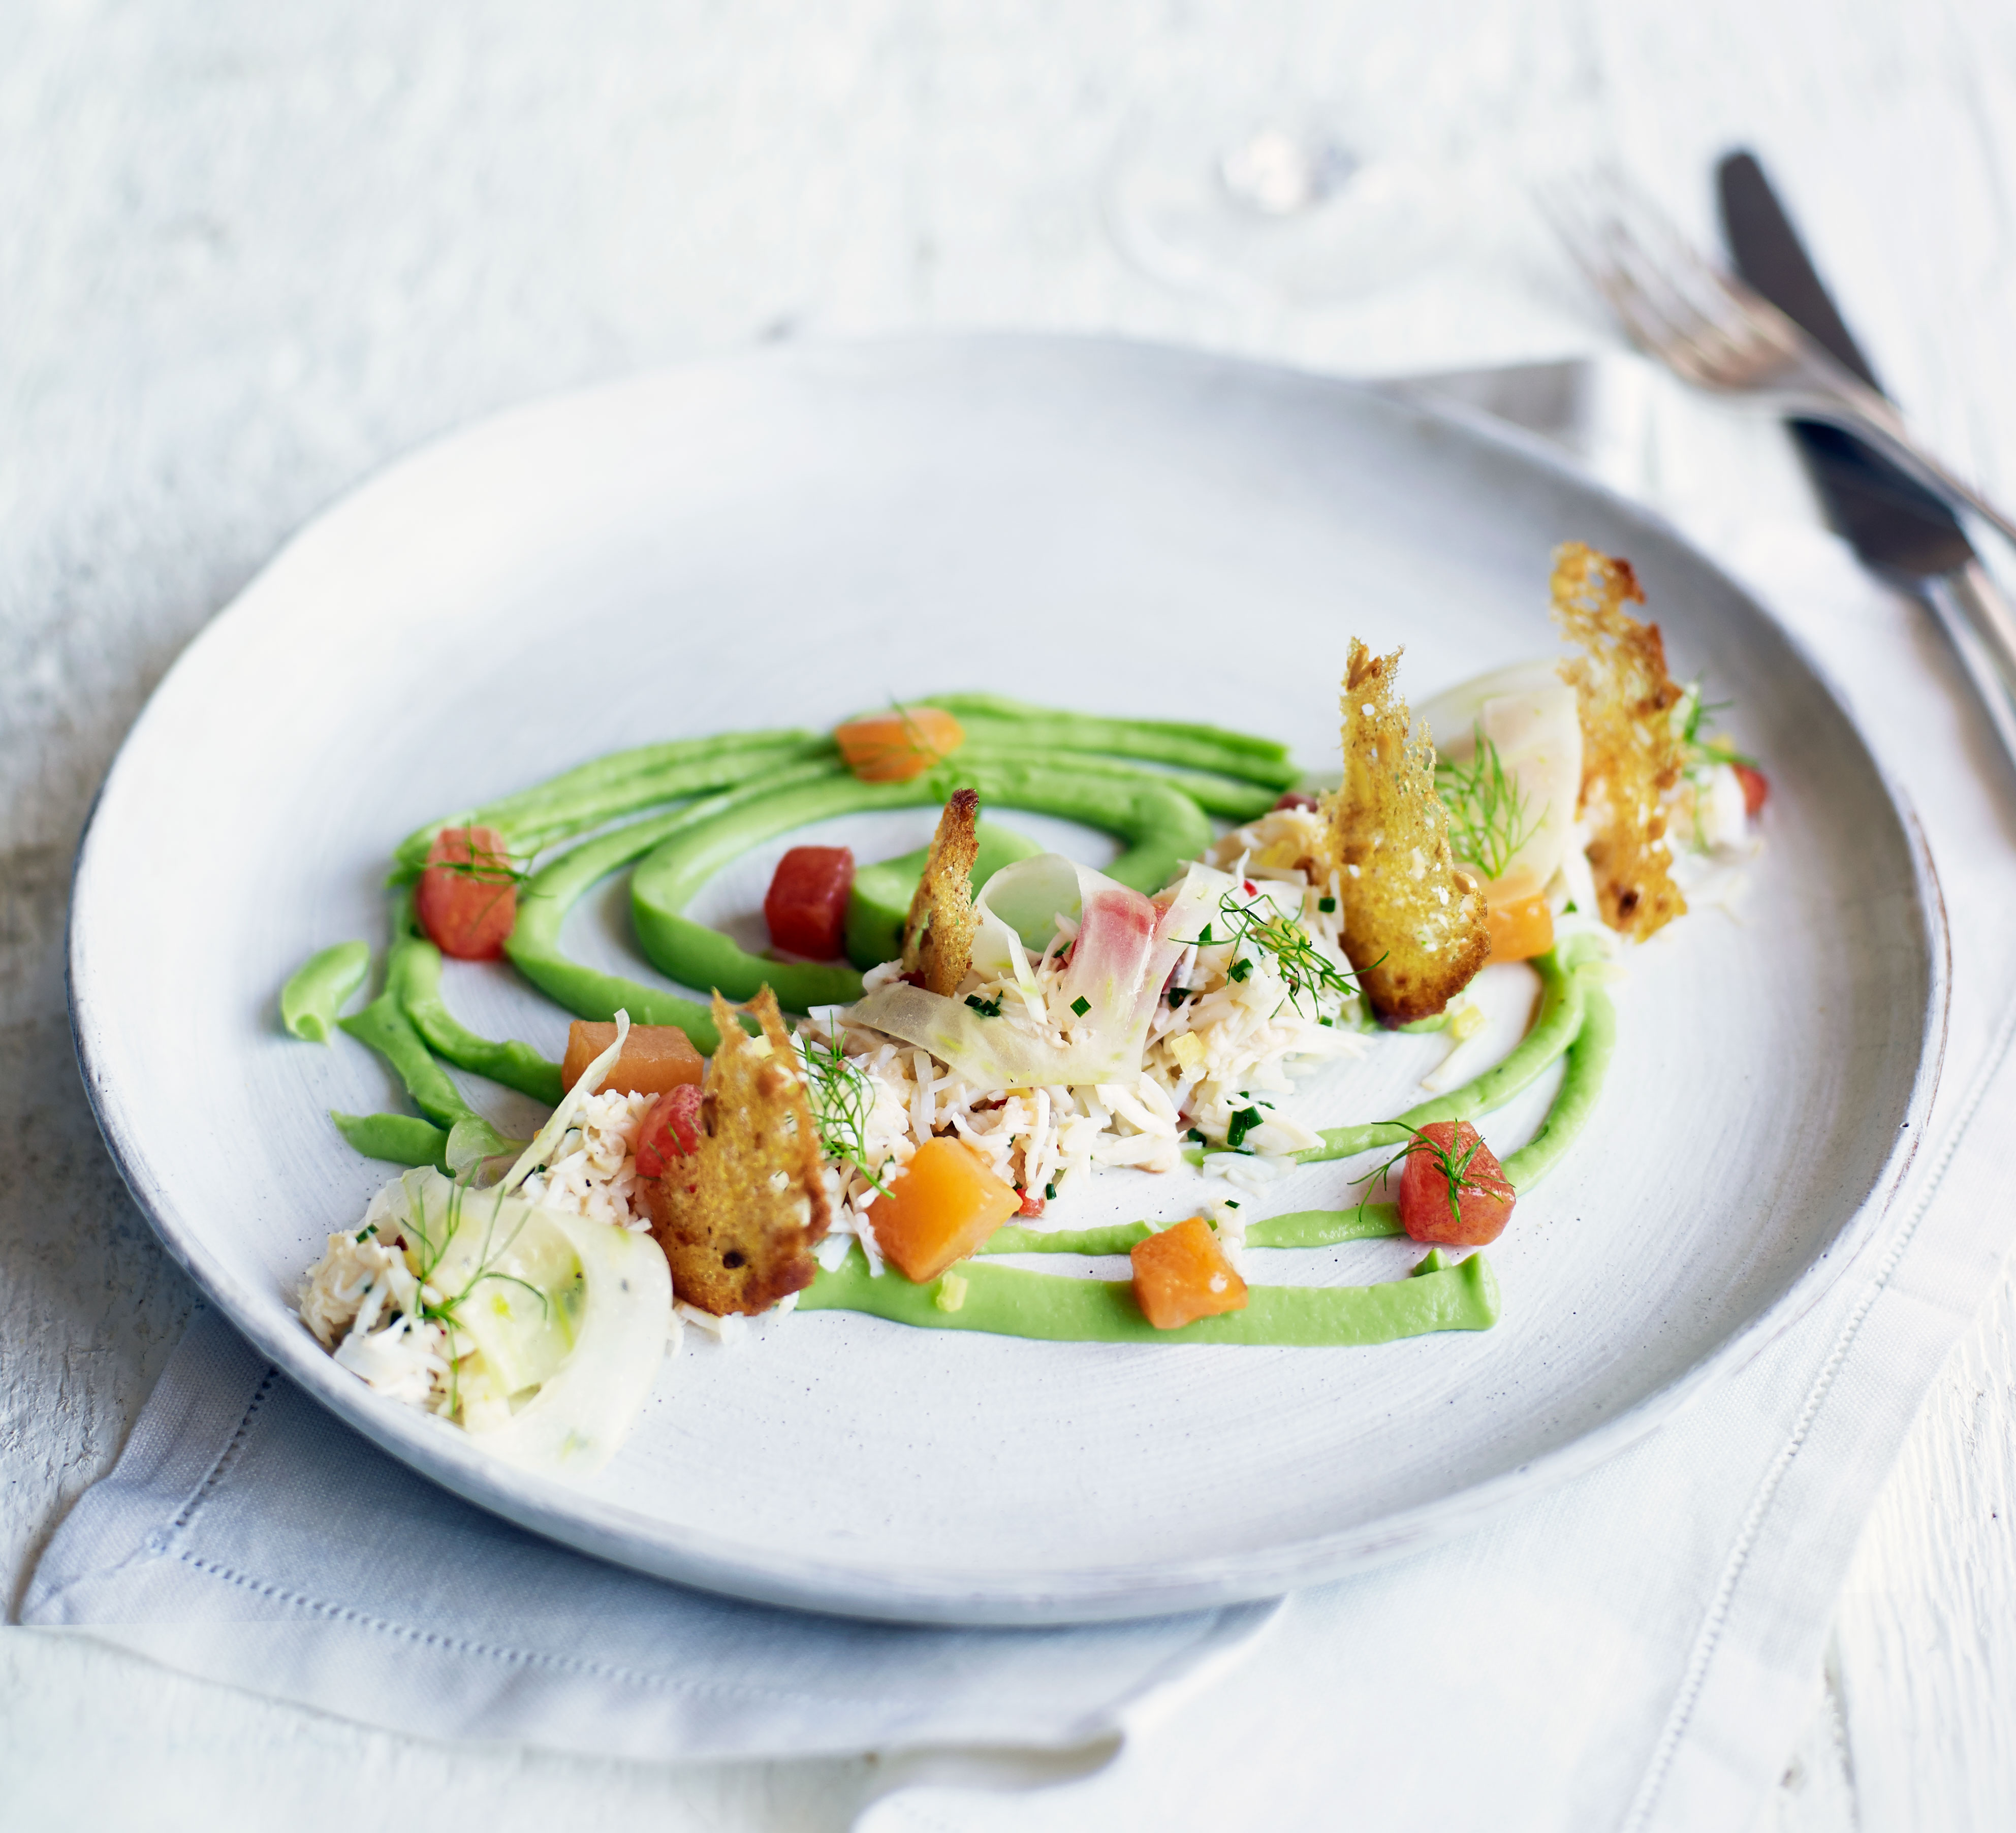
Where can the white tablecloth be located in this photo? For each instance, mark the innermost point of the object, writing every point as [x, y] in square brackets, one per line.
[247, 256]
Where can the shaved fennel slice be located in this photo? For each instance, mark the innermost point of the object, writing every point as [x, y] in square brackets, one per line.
[1124, 951]
[998, 951]
[472, 1141]
[998, 1053]
[540, 1152]
[1450, 715]
[573, 1426]
[1528, 713]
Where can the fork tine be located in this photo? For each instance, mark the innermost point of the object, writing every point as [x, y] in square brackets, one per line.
[1714, 294]
[1732, 316]
[1675, 304]
[1617, 266]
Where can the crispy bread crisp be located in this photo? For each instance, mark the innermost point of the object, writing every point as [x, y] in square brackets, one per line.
[937, 935]
[738, 1215]
[1631, 753]
[1413, 919]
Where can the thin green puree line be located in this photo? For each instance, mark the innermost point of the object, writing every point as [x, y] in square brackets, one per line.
[1010, 1301]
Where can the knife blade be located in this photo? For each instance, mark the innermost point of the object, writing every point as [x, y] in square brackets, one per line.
[1900, 530]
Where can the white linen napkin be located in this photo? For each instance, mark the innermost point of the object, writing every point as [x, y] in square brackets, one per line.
[247, 1536]
[1638, 1648]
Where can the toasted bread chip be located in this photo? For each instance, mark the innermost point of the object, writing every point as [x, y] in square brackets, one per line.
[1414, 924]
[937, 935]
[1632, 753]
[738, 1215]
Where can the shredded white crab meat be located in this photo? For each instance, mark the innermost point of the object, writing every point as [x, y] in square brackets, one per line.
[362, 1303]
[1227, 1046]
[1712, 837]
[595, 1172]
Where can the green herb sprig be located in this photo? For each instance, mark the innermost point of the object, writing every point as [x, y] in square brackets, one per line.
[1304, 970]
[841, 1098]
[1694, 715]
[1488, 816]
[446, 1311]
[485, 865]
[1453, 1164]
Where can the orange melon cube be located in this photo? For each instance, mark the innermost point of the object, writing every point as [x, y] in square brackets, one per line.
[1181, 1274]
[655, 1057]
[946, 1203]
[895, 747]
[1518, 931]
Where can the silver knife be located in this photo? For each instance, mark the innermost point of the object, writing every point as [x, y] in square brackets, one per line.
[1902, 532]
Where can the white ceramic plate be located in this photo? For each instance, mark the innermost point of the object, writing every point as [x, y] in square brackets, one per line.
[788, 538]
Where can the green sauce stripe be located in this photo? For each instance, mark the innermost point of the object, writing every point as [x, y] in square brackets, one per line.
[1214, 793]
[1117, 1237]
[623, 783]
[1303, 1228]
[384, 1026]
[988, 718]
[1011, 1300]
[1324, 1228]
[398, 1138]
[1164, 825]
[1588, 1062]
[315, 991]
[409, 1025]
[413, 971]
[533, 946]
[1560, 1015]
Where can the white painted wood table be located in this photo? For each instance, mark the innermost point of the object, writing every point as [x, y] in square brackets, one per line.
[248, 254]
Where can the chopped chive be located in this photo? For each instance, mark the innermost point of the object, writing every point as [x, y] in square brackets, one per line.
[986, 1008]
[1081, 1005]
[1240, 969]
[1326, 905]
[1050, 1193]
[1178, 995]
[1193, 1134]
[1243, 1123]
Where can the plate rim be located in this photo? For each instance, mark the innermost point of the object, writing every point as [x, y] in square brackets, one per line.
[1097, 1592]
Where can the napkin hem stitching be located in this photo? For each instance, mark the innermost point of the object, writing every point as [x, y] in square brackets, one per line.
[220, 1468]
[1709, 1639]
[496, 1652]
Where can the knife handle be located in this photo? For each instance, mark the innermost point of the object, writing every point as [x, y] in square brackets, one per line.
[1983, 626]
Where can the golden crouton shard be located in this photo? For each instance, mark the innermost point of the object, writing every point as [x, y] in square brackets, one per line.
[737, 1216]
[937, 935]
[1632, 753]
[1414, 923]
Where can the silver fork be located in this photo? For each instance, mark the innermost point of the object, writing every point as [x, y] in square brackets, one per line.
[1709, 328]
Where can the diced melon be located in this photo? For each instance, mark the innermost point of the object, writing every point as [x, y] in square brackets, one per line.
[655, 1057]
[1181, 1274]
[895, 747]
[945, 1203]
[1519, 928]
